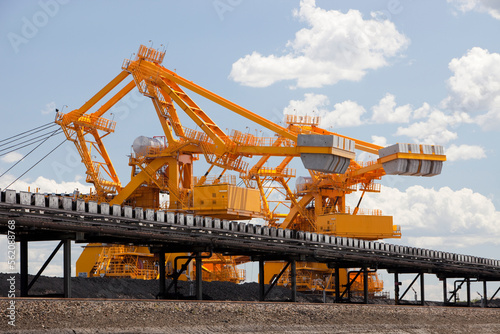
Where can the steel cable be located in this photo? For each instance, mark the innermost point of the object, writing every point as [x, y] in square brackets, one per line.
[53, 134]
[38, 127]
[36, 163]
[36, 141]
[28, 135]
[39, 136]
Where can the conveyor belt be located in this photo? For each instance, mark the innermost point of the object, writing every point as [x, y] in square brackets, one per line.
[49, 217]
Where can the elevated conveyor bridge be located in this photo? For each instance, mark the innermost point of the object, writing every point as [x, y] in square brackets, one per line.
[27, 217]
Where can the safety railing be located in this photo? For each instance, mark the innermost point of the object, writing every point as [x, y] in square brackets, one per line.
[150, 54]
[212, 179]
[247, 139]
[302, 120]
[284, 172]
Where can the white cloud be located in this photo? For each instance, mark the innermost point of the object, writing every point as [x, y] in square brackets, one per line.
[49, 108]
[440, 218]
[387, 112]
[434, 130]
[311, 102]
[492, 7]
[380, 141]
[464, 152]
[44, 185]
[344, 114]
[475, 86]
[422, 112]
[434, 126]
[335, 46]
[12, 157]
[490, 120]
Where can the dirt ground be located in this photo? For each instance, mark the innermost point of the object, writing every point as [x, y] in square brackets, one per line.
[121, 316]
[310, 315]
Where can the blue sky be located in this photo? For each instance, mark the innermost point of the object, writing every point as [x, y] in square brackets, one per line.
[381, 71]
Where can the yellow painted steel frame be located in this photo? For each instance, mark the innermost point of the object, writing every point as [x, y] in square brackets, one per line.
[164, 169]
[163, 87]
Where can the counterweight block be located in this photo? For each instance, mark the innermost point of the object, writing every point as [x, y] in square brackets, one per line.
[336, 162]
[400, 159]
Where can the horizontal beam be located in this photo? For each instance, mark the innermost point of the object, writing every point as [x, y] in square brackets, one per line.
[413, 156]
[236, 239]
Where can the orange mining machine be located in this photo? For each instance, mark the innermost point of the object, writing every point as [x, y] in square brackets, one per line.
[246, 176]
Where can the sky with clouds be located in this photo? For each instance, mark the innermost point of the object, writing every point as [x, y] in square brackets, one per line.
[382, 71]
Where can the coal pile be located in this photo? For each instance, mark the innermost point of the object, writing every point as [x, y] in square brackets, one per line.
[124, 288]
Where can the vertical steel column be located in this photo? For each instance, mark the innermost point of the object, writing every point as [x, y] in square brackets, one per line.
[365, 285]
[199, 278]
[396, 288]
[349, 284]
[293, 270]
[24, 268]
[468, 292]
[445, 292]
[161, 269]
[337, 284]
[485, 294]
[261, 280]
[422, 289]
[67, 268]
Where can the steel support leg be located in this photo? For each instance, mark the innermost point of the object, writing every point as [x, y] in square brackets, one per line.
[199, 278]
[276, 279]
[493, 297]
[348, 290]
[161, 269]
[445, 292]
[24, 268]
[409, 286]
[455, 290]
[177, 273]
[261, 280]
[294, 280]
[349, 284]
[365, 285]
[67, 268]
[485, 294]
[468, 292]
[422, 289]
[337, 284]
[47, 262]
[396, 288]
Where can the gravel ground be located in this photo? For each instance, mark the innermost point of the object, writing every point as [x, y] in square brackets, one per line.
[310, 315]
[122, 316]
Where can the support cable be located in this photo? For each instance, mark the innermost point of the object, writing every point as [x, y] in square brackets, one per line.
[14, 165]
[19, 134]
[28, 140]
[28, 135]
[36, 163]
[29, 144]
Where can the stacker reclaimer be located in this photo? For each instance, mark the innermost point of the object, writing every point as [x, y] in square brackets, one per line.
[268, 188]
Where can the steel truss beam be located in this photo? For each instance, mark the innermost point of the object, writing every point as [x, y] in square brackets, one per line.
[25, 286]
[293, 274]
